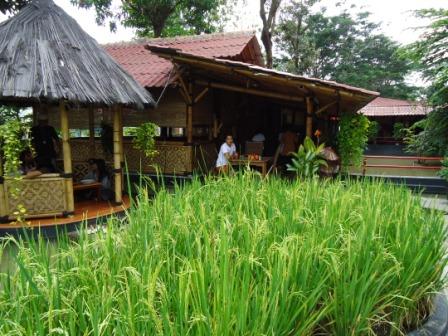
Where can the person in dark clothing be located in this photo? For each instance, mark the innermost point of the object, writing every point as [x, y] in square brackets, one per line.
[46, 143]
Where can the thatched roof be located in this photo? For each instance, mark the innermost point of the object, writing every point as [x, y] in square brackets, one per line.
[46, 56]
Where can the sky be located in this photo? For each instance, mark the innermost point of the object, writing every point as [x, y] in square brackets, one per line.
[397, 21]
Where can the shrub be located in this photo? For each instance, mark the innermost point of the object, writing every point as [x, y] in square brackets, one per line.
[399, 130]
[373, 130]
[444, 171]
[237, 256]
[352, 139]
[308, 159]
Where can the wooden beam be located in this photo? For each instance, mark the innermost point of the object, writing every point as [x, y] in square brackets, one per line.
[190, 114]
[326, 107]
[117, 156]
[309, 116]
[67, 155]
[200, 95]
[252, 91]
[183, 87]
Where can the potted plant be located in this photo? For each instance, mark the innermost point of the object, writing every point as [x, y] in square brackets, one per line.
[308, 159]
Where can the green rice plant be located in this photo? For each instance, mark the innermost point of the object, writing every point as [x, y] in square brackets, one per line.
[236, 255]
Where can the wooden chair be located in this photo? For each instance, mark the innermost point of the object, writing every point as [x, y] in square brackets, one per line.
[254, 147]
[274, 166]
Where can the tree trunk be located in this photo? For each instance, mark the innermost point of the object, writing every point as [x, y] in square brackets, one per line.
[266, 38]
[268, 27]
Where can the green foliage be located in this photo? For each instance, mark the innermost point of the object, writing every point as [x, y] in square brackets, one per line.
[13, 140]
[374, 128]
[144, 139]
[429, 54]
[342, 48]
[398, 130]
[341, 258]
[308, 159]
[352, 139]
[159, 18]
[444, 171]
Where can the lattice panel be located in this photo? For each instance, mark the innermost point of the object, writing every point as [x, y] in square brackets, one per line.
[40, 196]
[81, 150]
[205, 156]
[172, 159]
[80, 169]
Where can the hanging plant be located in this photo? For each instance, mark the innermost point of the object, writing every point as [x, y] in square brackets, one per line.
[144, 139]
[14, 139]
[352, 139]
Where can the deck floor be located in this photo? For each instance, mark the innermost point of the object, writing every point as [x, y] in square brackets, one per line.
[84, 211]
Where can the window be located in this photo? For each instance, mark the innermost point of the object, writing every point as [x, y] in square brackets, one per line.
[177, 132]
[79, 133]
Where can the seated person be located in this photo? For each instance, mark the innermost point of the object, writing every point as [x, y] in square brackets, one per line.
[226, 152]
[28, 168]
[259, 137]
[98, 172]
[289, 142]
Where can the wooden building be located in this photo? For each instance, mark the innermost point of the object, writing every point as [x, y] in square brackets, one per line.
[208, 86]
[387, 112]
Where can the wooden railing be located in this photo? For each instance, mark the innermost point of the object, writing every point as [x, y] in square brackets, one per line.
[366, 165]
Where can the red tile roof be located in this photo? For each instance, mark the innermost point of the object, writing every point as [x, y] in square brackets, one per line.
[382, 107]
[152, 71]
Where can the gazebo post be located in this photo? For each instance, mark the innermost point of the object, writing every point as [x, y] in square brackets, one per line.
[190, 114]
[117, 154]
[309, 116]
[67, 155]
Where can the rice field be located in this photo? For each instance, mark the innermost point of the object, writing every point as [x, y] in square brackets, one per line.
[237, 256]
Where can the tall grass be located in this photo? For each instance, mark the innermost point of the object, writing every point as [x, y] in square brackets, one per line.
[238, 256]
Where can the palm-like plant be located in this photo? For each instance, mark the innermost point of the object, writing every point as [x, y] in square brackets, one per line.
[308, 159]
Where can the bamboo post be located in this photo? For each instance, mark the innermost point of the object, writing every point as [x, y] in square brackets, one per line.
[190, 114]
[92, 151]
[309, 116]
[67, 154]
[117, 155]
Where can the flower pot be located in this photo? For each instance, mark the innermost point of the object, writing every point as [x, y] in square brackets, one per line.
[437, 323]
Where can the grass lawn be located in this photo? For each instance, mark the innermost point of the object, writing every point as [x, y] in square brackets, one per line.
[238, 256]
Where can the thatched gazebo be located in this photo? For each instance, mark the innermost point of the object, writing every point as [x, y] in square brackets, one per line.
[48, 62]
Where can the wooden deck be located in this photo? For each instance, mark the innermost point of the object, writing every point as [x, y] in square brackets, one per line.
[85, 211]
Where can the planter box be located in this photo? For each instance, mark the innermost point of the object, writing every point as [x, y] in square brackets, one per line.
[437, 324]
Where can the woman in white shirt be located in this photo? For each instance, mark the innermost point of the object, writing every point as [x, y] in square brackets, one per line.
[227, 151]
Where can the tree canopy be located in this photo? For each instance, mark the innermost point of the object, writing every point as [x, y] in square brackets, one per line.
[346, 48]
[157, 18]
[430, 54]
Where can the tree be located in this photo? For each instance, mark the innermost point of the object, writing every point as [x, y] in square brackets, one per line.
[344, 48]
[271, 8]
[293, 38]
[430, 54]
[156, 18]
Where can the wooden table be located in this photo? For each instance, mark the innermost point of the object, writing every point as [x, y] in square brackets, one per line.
[89, 186]
[263, 163]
